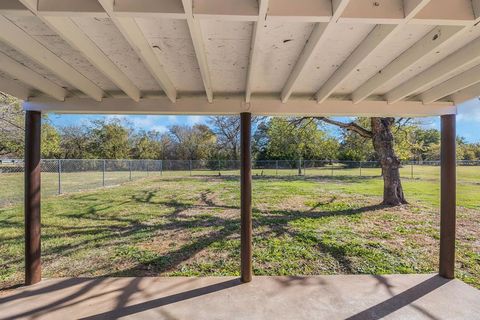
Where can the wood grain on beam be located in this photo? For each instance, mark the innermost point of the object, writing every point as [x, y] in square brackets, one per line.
[258, 32]
[130, 30]
[421, 48]
[466, 94]
[316, 40]
[457, 83]
[23, 42]
[377, 36]
[31, 78]
[71, 8]
[233, 105]
[443, 69]
[74, 36]
[199, 46]
[14, 88]
[446, 12]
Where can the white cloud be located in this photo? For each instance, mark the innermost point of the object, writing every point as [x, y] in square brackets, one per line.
[194, 119]
[172, 119]
[159, 128]
[469, 111]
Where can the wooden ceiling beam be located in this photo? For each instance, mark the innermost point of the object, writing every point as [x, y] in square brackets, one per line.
[73, 35]
[233, 105]
[130, 30]
[468, 55]
[452, 85]
[18, 71]
[316, 40]
[199, 46]
[420, 49]
[257, 34]
[26, 44]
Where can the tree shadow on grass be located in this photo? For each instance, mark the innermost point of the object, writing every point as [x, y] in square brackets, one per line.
[110, 229]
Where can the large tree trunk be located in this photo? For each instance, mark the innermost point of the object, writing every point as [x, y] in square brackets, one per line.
[383, 142]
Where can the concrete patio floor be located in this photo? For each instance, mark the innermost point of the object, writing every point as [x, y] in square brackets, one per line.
[315, 297]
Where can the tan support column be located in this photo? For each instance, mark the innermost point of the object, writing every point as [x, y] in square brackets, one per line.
[246, 196]
[33, 273]
[448, 197]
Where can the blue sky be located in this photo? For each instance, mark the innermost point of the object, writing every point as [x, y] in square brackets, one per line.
[468, 120]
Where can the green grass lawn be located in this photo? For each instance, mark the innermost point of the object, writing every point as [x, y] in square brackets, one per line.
[190, 226]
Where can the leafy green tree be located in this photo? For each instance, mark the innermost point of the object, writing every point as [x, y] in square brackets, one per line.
[12, 131]
[146, 145]
[192, 143]
[50, 142]
[12, 127]
[290, 142]
[109, 139]
[75, 142]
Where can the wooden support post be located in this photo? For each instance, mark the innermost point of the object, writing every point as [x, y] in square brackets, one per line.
[246, 197]
[33, 273]
[448, 198]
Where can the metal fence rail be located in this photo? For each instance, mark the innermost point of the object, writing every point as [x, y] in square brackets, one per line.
[71, 175]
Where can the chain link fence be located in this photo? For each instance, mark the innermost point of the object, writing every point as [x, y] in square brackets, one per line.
[70, 175]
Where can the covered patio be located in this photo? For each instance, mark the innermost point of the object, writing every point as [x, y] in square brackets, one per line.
[385, 58]
[319, 297]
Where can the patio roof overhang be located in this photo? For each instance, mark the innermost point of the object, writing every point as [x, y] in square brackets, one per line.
[277, 57]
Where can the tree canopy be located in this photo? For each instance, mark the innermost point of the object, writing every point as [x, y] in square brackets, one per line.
[219, 138]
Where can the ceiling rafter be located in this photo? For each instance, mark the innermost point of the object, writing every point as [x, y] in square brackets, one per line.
[316, 39]
[31, 78]
[378, 36]
[466, 94]
[199, 46]
[72, 34]
[15, 89]
[420, 49]
[257, 34]
[452, 85]
[467, 55]
[26, 44]
[66, 28]
[130, 30]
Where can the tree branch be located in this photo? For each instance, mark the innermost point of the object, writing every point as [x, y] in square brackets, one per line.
[350, 126]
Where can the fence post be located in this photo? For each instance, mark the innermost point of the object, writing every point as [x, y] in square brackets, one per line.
[190, 166]
[360, 165]
[161, 167]
[299, 167]
[331, 166]
[103, 174]
[218, 164]
[59, 176]
[276, 167]
[411, 170]
[304, 168]
[130, 169]
[147, 167]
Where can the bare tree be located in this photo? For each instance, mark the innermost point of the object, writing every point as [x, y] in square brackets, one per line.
[12, 129]
[227, 129]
